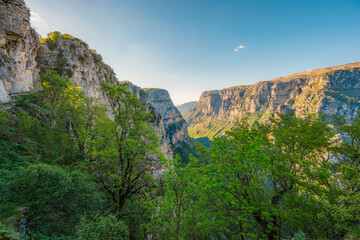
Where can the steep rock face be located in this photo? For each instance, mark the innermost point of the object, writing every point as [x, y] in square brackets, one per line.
[72, 58]
[174, 123]
[184, 108]
[333, 90]
[18, 47]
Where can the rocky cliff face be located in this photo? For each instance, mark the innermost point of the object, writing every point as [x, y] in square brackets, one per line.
[72, 58]
[333, 90]
[22, 56]
[18, 47]
[184, 108]
[174, 123]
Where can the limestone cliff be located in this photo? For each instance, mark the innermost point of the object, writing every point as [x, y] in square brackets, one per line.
[72, 58]
[184, 108]
[18, 47]
[175, 125]
[332, 90]
[22, 56]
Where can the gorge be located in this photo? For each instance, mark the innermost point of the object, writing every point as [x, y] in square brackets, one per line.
[330, 91]
[84, 155]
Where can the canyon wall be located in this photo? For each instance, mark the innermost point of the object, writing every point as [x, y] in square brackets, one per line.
[23, 56]
[72, 58]
[18, 47]
[331, 91]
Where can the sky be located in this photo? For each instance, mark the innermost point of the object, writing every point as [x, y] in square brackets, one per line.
[191, 46]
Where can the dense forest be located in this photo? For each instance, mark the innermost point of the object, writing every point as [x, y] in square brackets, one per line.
[73, 169]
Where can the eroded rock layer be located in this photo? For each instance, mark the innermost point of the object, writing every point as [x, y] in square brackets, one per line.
[72, 58]
[332, 90]
[18, 47]
[174, 123]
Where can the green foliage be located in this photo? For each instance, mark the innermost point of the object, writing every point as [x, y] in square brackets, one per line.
[102, 227]
[185, 150]
[54, 36]
[74, 173]
[97, 57]
[349, 96]
[41, 136]
[121, 151]
[177, 214]
[81, 59]
[346, 208]
[54, 198]
[202, 140]
[262, 181]
[208, 127]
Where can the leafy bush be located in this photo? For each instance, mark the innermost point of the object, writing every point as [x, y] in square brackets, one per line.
[102, 227]
[54, 198]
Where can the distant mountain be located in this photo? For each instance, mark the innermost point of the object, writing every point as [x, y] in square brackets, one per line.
[331, 90]
[184, 108]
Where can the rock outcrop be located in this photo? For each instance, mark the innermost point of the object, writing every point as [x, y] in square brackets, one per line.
[73, 59]
[184, 108]
[22, 56]
[174, 123]
[332, 90]
[18, 46]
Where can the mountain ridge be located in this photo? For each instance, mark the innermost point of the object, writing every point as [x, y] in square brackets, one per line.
[329, 90]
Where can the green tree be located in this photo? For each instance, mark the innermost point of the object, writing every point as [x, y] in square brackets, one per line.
[233, 183]
[122, 151]
[346, 208]
[102, 227]
[300, 174]
[266, 181]
[177, 214]
[54, 198]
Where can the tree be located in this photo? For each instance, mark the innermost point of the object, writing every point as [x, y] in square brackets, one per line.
[233, 183]
[122, 151]
[299, 174]
[267, 181]
[54, 198]
[346, 208]
[177, 214]
[102, 227]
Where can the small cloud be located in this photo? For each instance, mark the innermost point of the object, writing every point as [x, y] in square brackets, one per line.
[39, 24]
[239, 47]
[35, 17]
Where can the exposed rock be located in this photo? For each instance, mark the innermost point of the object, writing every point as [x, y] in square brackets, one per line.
[184, 108]
[18, 47]
[72, 58]
[20, 52]
[333, 90]
[175, 125]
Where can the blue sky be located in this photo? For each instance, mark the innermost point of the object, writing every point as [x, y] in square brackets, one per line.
[189, 46]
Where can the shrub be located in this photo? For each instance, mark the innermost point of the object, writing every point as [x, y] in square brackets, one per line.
[54, 198]
[102, 227]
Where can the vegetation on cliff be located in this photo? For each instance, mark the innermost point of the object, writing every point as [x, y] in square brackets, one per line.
[331, 91]
[65, 164]
[68, 171]
[267, 181]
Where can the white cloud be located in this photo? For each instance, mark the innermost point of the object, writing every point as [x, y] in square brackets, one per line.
[40, 24]
[239, 47]
[35, 18]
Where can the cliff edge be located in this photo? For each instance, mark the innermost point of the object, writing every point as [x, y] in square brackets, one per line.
[331, 91]
[18, 47]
